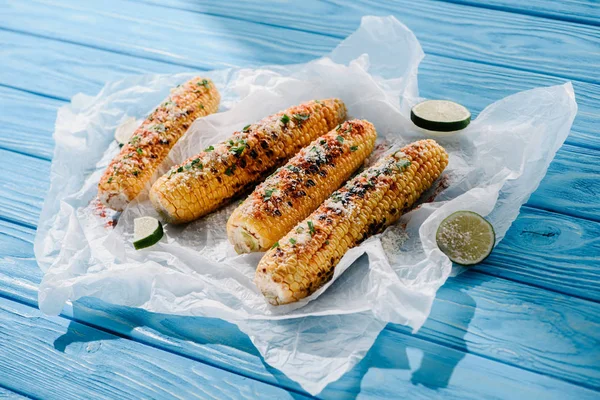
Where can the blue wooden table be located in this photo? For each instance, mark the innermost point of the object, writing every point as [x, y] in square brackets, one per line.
[524, 324]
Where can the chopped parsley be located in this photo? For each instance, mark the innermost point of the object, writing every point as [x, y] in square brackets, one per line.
[180, 169]
[322, 141]
[317, 101]
[135, 172]
[268, 193]
[285, 119]
[203, 83]
[134, 140]
[337, 128]
[196, 163]
[403, 164]
[229, 171]
[340, 139]
[110, 179]
[188, 167]
[209, 148]
[168, 103]
[275, 245]
[202, 106]
[326, 242]
[293, 168]
[246, 128]
[230, 142]
[301, 117]
[159, 127]
[311, 227]
[292, 241]
[238, 150]
[139, 151]
[353, 148]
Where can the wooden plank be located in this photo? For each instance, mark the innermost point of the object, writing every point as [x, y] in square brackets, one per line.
[40, 350]
[490, 317]
[66, 68]
[571, 193]
[475, 86]
[54, 358]
[502, 38]
[27, 122]
[550, 250]
[578, 11]
[6, 394]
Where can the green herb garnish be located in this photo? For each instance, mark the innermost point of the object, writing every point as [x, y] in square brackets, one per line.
[268, 193]
[246, 128]
[135, 172]
[403, 164]
[139, 151]
[311, 227]
[275, 245]
[353, 148]
[196, 163]
[340, 139]
[285, 119]
[229, 171]
[209, 148]
[292, 241]
[203, 83]
[301, 117]
[180, 169]
[337, 128]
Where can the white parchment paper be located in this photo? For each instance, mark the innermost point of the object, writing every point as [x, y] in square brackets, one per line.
[495, 164]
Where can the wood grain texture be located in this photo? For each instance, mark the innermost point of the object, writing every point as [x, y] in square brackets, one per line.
[452, 30]
[27, 122]
[579, 11]
[472, 313]
[53, 358]
[473, 84]
[550, 250]
[6, 394]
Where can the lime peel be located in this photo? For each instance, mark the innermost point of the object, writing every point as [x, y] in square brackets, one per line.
[147, 231]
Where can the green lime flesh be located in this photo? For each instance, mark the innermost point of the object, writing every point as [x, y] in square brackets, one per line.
[440, 116]
[466, 237]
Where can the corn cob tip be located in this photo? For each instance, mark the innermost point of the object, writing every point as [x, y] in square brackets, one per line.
[114, 200]
[243, 240]
[274, 293]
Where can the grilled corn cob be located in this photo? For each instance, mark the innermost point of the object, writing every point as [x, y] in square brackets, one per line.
[211, 178]
[133, 167]
[305, 258]
[298, 188]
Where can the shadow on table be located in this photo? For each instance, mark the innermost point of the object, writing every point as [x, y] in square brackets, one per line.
[413, 358]
[406, 357]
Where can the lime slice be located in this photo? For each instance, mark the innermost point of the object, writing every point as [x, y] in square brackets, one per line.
[465, 237]
[146, 232]
[125, 130]
[440, 116]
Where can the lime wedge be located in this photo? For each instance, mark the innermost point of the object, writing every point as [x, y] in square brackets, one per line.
[465, 237]
[147, 231]
[125, 130]
[440, 116]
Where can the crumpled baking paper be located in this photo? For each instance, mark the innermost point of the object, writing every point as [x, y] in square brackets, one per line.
[495, 164]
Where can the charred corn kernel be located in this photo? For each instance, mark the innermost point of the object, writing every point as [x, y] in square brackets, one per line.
[130, 171]
[305, 257]
[299, 187]
[220, 172]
